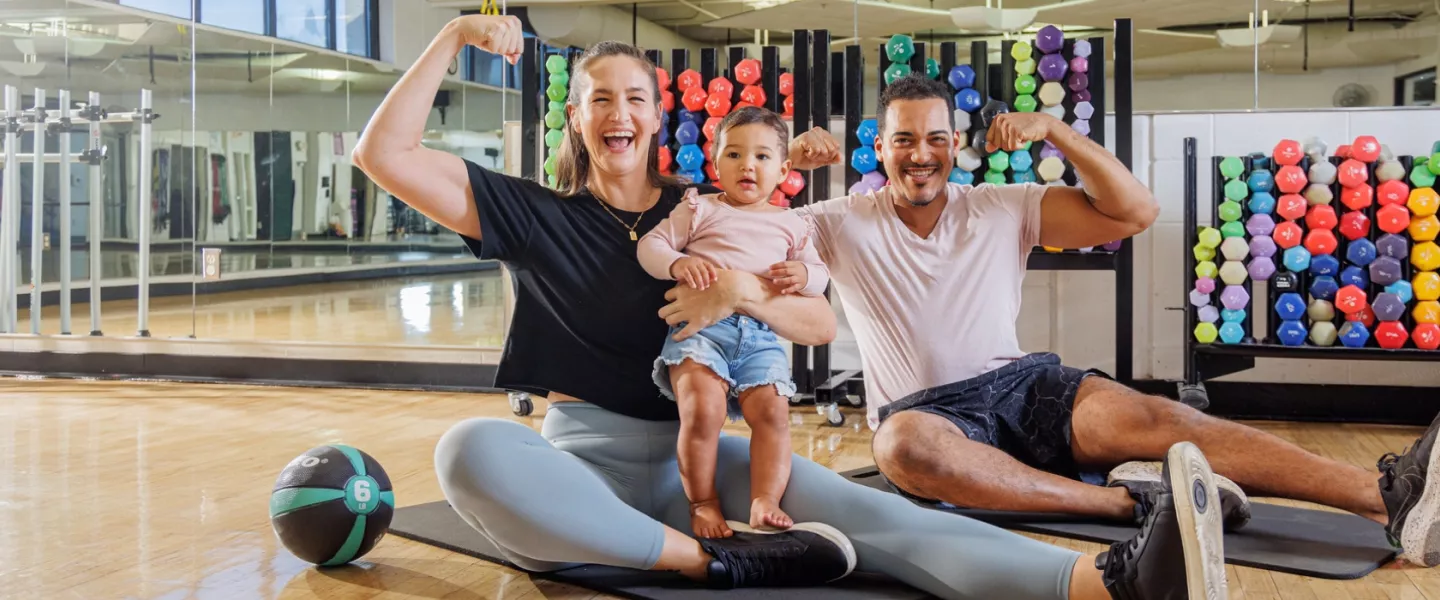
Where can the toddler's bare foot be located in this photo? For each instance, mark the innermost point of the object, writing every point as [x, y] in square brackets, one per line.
[765, 513]
[707, 521]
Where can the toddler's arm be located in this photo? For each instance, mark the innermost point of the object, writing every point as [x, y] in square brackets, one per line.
[662, 246]
[817, 274]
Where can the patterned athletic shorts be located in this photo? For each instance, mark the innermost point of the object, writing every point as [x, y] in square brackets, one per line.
[1022, 408]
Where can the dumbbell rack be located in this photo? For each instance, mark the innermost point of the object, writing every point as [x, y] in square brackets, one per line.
[816, 381]
[1203, 361]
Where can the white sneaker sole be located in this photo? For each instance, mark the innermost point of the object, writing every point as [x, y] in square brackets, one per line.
[820, 529]
[1422, 526]
[1150, 471]
[1197, 506]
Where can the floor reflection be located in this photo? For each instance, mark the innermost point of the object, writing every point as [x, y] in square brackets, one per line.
[454, 310]
[125, 264]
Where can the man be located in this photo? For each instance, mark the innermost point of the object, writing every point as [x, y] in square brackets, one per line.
[930, 276]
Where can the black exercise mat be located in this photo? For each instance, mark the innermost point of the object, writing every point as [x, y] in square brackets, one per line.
[438, 525]
[1300, 541]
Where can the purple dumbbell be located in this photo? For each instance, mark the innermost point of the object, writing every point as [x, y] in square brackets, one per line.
[1080, 64]
[1052, 67]
[1199, 298]
[1077, 82]
[1260, 224]
[1080, 96]
[1209, 314]
[1082, 48]
[1235, 297]
[1050, 151]
[1084, 110]
[1081, 126]
[1262, 245]
[1205, 284]
[1049, 39]
[1113, 246]
[1261, 268]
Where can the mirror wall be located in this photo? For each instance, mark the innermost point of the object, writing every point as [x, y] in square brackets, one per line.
[258, 227]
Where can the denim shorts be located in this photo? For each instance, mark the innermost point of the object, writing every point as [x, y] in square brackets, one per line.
[742, 351]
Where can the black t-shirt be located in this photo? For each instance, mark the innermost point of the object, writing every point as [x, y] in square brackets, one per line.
[586, 320]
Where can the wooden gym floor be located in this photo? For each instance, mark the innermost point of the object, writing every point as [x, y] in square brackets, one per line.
[158, 490]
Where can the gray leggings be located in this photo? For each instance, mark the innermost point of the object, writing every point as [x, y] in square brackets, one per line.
[594, 487]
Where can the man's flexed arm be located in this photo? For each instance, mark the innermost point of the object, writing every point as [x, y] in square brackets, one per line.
[1114, 204]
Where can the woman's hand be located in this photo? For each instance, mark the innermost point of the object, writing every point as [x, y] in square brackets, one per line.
[497, 34]
[699, 309]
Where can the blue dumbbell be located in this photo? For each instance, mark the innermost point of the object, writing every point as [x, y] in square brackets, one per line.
[961, 76]
[863, 160]
[1020, 160]
[1354, 334]
[1297, 259]
[690, 158]
[968, 100]
[1291, 333]
[1356, 276]
[1360, 252]
[687, 134]
[1232, 332]
[1024, 177]
[866, 132]
[1232, 316]
[961, 176]
[1261, 181]
[1290, 306]
[1324, 264]
[1403, 289]
[1324, 288]
[1261, 203]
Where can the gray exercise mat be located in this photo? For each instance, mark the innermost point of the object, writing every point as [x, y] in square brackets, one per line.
[436, 524]
[1300, 541]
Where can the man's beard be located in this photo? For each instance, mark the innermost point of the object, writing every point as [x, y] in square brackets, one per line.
[918, 202]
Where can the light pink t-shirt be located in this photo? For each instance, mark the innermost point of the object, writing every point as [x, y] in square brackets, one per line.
[752, 241]
[932, 311]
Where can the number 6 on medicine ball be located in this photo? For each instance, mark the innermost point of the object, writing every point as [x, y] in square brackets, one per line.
[331, 505]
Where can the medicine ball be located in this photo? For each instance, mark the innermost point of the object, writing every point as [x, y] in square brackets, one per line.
[331, 505]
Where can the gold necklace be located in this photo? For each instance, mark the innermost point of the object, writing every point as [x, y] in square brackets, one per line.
[622, 223]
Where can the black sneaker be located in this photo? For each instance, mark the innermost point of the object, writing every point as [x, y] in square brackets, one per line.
[808, 554]
[1142, 479]
[1180, 550]
[1411, 500]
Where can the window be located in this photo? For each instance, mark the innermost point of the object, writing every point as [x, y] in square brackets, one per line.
[304, 21]
[240, 15]
[174, 8]
[1416, 89]
[353, 26]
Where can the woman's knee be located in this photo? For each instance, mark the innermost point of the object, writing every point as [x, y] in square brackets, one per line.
[472, 454]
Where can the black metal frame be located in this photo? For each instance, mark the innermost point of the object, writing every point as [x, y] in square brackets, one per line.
[1202, 362]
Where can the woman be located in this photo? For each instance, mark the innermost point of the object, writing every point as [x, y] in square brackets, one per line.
[600, 484]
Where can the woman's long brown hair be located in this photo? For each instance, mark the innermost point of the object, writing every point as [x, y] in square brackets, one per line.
[572, 159]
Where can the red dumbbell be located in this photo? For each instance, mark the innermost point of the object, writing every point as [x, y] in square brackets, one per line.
[794, 183]
[748, 71]
[689, 80]
[718, 104]
[753, 94]
[694, 99]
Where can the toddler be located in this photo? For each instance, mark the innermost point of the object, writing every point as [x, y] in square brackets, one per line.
[736, 365]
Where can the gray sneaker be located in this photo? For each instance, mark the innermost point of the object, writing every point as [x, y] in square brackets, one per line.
[1142, 479]
[1411, 502]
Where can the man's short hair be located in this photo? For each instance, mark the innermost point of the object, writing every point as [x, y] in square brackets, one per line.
[915, 87]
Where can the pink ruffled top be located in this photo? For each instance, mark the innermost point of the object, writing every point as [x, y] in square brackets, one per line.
[705, 227]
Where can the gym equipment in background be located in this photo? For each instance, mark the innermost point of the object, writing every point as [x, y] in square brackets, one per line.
[557, 68]
[1352, 258]
[805, 94]
[67, 119]
[331, 505]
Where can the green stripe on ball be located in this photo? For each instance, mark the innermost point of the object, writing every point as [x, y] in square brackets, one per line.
[352, 543]
[290, 499]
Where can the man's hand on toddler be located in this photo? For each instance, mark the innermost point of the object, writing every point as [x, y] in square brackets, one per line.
[697, 273]
[790, 276]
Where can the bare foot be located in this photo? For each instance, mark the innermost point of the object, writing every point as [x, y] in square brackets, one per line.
[707, 521]
[765, 513]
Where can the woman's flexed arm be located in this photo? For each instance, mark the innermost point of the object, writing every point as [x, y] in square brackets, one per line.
[433, 182]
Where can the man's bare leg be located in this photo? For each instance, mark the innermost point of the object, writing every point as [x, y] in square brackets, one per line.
[928, 456]
[1113, 424]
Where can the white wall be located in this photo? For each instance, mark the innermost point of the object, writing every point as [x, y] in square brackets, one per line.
[1230, 91]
